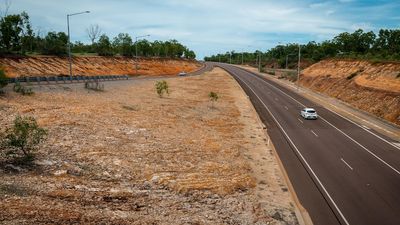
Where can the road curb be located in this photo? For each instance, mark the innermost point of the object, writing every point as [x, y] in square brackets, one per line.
[302, 214]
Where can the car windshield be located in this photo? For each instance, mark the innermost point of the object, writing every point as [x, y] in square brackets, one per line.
[310, 111]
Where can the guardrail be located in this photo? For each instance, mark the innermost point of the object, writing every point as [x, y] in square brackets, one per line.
[65, 79]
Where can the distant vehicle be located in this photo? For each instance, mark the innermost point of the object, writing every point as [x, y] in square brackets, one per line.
[309, 113]
[183, 73]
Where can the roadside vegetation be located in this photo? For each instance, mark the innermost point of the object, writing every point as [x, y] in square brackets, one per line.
[213, 98]
[384, 46]
[17, 37]
[20, 142]
[161, 88]
[3, 80]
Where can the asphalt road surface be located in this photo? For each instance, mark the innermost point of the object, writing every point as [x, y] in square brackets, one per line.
[341, 172]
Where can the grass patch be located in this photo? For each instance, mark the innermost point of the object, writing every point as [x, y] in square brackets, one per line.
[131, 107]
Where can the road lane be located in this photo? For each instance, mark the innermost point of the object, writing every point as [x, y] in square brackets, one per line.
[367, 194]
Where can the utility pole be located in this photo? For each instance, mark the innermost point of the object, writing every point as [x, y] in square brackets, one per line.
[259, 62]
[242, 57]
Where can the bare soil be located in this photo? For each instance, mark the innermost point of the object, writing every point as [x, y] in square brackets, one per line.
[372, 87]
[95, 65]
[127, 156]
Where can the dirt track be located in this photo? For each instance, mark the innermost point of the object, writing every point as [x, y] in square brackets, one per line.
[126, 156]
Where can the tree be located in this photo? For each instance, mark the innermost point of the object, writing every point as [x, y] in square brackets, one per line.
[123, 44]
[3, 80]
[161, 88]
[23, 138]
[12, 29]
[93, 32]
[104, 47]
[55, 43]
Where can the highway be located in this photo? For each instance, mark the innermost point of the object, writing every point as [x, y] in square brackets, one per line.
[341, 172]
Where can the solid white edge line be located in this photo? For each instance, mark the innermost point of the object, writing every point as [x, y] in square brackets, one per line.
[346, 163]
[377, 136]
[373, 154]
[297, 150]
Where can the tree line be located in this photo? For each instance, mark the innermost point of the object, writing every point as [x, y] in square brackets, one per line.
[18, 37]
[359, 45]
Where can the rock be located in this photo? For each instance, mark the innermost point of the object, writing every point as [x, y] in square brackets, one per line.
[277, 216]
[60, 172]
[155, 179]
[45, 163]
[12, 168]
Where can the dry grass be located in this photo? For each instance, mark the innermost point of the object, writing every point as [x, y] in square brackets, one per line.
[126, 156]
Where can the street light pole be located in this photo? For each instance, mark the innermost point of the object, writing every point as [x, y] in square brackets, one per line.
[298, 70]
[69, 42]
[136, 51]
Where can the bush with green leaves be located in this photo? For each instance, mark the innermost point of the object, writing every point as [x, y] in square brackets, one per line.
[213, 98]
[161, 88]
[22, 89]
[22, 139]
[94, 85]
[3, 80]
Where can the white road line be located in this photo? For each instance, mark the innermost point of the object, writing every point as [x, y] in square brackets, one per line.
[286, 107]
[365, 127]
[276, 99]
[300, 120]
[346, 163]
[377, 136]
[299, 153]
[314, 133]
[373, 154]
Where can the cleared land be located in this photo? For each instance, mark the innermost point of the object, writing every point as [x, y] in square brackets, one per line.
[126, 156]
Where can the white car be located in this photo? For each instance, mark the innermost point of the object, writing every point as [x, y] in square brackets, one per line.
[309, 113]
[183, 73]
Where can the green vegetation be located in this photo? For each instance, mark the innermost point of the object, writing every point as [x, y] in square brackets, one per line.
[3, 80]
[20, 141]
[17, 37]
[357, 45]
[94, 85]
[213, 98]
[22, 89]
[161, 88]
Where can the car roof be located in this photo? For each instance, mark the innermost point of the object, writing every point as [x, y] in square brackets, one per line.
[309, 109]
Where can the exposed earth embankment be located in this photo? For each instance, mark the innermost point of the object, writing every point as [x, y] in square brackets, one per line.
[94, 65]
[369, 86]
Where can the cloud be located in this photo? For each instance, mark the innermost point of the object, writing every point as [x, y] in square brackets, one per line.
[209, 26]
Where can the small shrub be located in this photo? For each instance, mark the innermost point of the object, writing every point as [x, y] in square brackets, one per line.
[94, 85]
[398, 75]
[22, 89]
[213, 98]
[21, 140]
[161, 88]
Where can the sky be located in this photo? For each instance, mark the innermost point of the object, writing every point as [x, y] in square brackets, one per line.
[214, 26]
